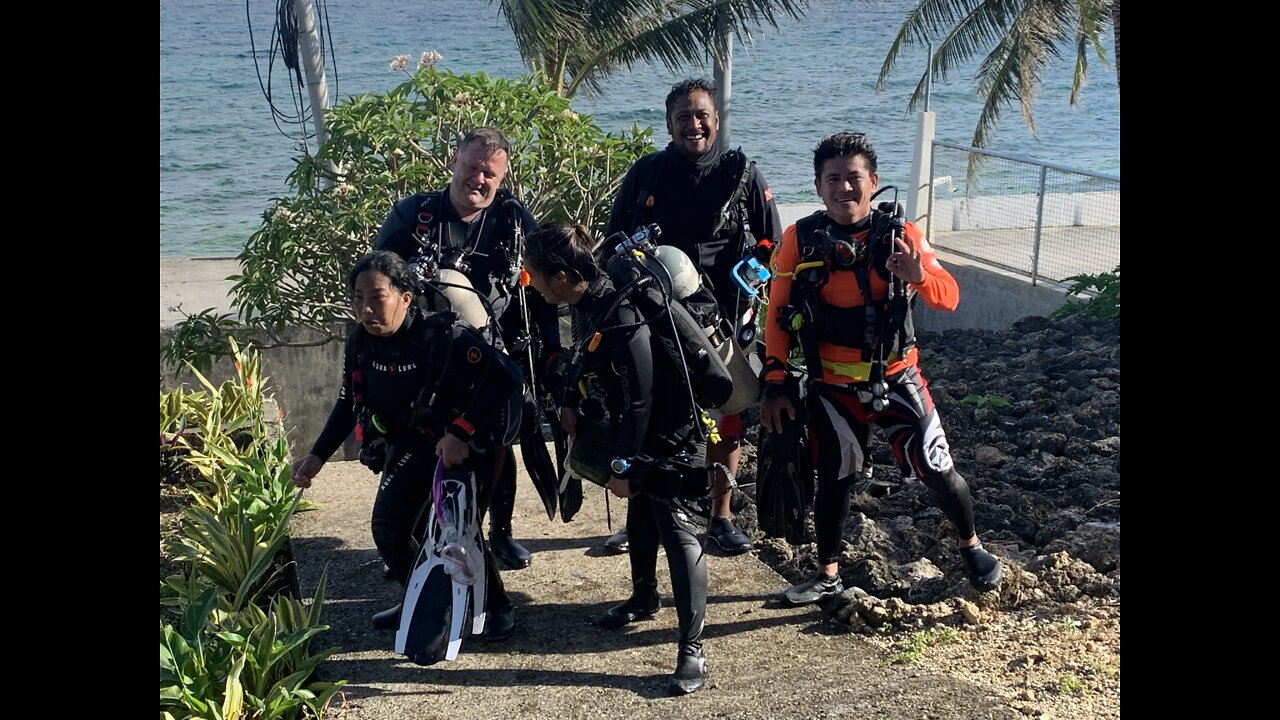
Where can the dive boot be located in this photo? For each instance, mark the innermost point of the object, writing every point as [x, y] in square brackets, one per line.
[388, 619]
[982, 568]
[617, 544]
[821, 587]
[500, 623]
[691, 670]
[727, 536]
[642, 604]
[510, 554]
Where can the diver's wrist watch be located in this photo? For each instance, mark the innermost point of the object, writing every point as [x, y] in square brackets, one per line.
[619, 466]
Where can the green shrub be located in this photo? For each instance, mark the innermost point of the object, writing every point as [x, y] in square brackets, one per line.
[385, 147]
[1105, 299]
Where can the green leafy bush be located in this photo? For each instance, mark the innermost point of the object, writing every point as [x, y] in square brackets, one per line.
[1105, 299]
[235, 637]
[385, 147]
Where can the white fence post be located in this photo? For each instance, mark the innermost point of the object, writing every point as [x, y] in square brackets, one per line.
[921, 185]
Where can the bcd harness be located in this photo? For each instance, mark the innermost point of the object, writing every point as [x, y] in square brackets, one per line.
[376, 432]
[645, 213]
[708, 381]
[879, 327]
[451, 244]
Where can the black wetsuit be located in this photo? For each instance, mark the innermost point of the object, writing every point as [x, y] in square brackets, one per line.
[485, 246]
[688, 196]
[467, 387]
[631, 379]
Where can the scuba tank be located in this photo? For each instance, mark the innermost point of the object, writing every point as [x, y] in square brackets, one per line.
[451, 290]
[688, 327]
[681, 278]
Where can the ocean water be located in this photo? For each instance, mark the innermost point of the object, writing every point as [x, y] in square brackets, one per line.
[223, 157]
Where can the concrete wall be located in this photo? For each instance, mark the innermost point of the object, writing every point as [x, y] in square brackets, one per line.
[303, 380]
[990, 299]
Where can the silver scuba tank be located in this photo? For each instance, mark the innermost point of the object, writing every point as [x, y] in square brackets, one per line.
[684, 281]
[453, 291]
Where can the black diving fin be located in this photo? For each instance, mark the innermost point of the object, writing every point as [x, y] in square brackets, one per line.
[784, 477]
[537, 461]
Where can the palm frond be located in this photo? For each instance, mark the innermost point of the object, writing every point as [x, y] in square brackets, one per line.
[984, 25]
[606, 36]
[1000, 84]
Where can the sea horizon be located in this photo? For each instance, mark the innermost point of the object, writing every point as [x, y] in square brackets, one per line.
[223, 160]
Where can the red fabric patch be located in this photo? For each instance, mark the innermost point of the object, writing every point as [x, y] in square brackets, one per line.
[768, 194]
[730, 426]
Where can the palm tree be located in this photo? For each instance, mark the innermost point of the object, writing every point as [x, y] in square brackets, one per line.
[1021, 38]
[575, 44]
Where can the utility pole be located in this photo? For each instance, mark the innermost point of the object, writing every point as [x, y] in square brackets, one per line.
[723, 78]
[311, 54]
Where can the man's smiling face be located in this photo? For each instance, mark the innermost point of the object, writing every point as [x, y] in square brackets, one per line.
[846, 186]
[693, 122]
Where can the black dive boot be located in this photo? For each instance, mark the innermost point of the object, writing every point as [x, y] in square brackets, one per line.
[643, 603]
[388, 619]
[691, 670]
[510, 554]
[982, 568]
[820, 587]
[727, 536]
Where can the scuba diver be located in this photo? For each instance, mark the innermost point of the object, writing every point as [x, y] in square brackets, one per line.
[418, 388]
[473, 227]
[717, 208]
[844, 280]
[618, 375]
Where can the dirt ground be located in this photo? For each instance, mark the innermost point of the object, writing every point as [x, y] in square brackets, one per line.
[765, 661]
[1032, 415]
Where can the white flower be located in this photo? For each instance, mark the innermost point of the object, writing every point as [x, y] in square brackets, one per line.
[399, 62]
[429, 58]
[570, 114]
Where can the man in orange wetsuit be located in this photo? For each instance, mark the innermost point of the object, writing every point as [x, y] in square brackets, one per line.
[865, 370]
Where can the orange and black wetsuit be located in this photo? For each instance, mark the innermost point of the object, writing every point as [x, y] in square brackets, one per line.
[839, 403]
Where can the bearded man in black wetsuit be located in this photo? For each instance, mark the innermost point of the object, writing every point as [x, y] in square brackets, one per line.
[470, 226]
[715, 206]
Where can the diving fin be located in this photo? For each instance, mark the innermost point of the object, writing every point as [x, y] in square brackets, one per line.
[570, 490]
[449, 578]
[570, 495]
[785, 479]
[537, 461]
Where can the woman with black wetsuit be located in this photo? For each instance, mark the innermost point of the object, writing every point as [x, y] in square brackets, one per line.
[420, 387]
[628, 382]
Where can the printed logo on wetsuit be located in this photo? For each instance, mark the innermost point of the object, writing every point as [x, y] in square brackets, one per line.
[768, 194]
[473, 355]
[393, 369]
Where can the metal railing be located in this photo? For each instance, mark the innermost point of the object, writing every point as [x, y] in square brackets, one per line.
[1043, 220]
